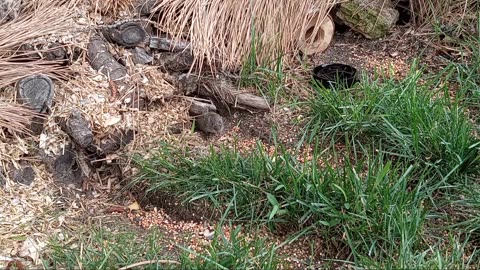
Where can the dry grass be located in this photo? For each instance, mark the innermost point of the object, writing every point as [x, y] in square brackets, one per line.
[15, 118]
[111, 7]
[460, 14]
[225, 32]
[38, 18]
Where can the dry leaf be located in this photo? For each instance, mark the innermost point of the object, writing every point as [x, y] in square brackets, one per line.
[134, 206]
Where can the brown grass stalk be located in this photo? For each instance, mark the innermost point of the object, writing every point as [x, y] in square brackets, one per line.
[15, 118]
[225, 32]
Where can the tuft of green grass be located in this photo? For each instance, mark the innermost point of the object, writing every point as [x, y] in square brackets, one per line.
[375, 207]
[102, 248]
[414, 123]
[234, 252]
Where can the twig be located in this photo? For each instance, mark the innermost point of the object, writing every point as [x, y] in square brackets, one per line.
[148, 262]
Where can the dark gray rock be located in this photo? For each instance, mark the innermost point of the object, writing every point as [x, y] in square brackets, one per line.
[24, 175]
[78, 128]
[37, 92]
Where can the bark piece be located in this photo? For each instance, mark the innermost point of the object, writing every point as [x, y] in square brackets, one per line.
[168, 45]
[198, 108]
[129, 34]
[210, 123]
[140, 56]
[177, 62]
[78, 128]
[37, 92]
[373, 19]
[115, 142]
[103, 61]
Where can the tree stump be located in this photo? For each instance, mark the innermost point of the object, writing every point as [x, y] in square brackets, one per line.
[129, 34]
[371, 18]
[37, 92]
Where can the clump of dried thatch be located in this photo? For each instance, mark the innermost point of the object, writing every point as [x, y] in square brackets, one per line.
[226, 32]
[458, 15]
[111, 7]
[15, 118]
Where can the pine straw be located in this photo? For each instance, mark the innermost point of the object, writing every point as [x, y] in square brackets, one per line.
[226, 32]
[111, 7]
[38, 18]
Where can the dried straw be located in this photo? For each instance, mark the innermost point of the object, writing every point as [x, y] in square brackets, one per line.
[226, 32]
[458, 13]
[38, 18]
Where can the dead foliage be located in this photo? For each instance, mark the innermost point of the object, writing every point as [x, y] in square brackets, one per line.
[454, 16]
[225, 32]
[15, 118]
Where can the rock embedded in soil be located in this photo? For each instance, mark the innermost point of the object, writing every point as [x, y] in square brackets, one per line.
[373, 19]
[129, 34]
[210, 123]
[9, 10]
[37, 92]
[103, 61]
[78, 128]
[25, 175]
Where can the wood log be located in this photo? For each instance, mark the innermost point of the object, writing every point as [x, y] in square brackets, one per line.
[198, 108]
[78, 128]
[129, 34]
[222, 88]
[103, 61]
[168, 45]
[36, 91]
[371, 18]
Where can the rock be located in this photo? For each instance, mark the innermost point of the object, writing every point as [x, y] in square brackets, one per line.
[129, 34]
[37, 92]
[24, 175]
[140, 56]
[210, 123]
[9, 10]
[103, 61]
[371, 18]
[78, 128]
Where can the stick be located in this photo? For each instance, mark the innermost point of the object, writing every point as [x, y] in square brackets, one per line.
[148, 262]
